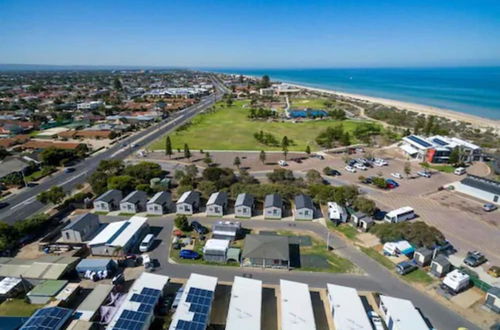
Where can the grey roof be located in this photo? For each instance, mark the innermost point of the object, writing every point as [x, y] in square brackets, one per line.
[495, 291]
[81, 221]
[135, 196]
[266, 247]
[217, 198]
[244, 199]
[424, 251]
[109, 196]
[95, 299]
[303, 201]
[481, 183]
[160, 198]
[442, 260]
[12, 165]
[273, 200]
[189, 197]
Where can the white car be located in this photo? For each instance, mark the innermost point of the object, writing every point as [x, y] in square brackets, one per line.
[350, 169]
[380, 162]
[376, 320]
[397, 175]
[360, 166]
[282, 163]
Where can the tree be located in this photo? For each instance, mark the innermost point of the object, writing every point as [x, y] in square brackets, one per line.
[182, 222]
[3, 153]
[284, 145]
[206, 188]
[125, 183]
[168, 147]
[407, 169]
[454, 156]
[262, 156]
[143, 172]
[281, 175]
[365, 205]
[345, 140]
[237, 162]
[56, 156]
[191, 170]
[117, 84]
[187, 153]
[308, 150]
[314, 177]
[265, 82]
[54, 195]
[207, 159]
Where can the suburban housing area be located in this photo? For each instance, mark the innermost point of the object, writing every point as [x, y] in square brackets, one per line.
[179, 199]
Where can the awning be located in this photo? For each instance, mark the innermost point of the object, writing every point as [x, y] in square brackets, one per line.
[409, 149]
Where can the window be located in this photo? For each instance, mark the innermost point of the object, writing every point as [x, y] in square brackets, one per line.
[306, 212]
[495, 199]
[275, 212]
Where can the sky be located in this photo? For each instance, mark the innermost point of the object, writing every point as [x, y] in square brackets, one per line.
[251, 34]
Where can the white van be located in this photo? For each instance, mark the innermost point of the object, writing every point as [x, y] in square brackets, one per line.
[146, 243]
[400, 215]
[459, 171]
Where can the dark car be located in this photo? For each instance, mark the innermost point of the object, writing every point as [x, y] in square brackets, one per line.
[69, 170]
[2, 205]
[405, 267]
[488, 207]
[367, 181]
[474, 259]
[189, 254]
[392, 183]
[332, 172]
[445, 248]
[199, 228]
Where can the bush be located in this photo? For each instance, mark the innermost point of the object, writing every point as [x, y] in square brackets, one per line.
[182, 222]
[417, 233]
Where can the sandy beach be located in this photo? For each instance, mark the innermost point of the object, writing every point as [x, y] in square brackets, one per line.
[420, 108]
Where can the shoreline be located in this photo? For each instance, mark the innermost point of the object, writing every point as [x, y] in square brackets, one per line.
[475, 121]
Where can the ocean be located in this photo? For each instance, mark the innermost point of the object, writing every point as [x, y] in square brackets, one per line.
[471, 90]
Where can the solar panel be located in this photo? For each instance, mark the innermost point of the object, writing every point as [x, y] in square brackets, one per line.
[131, 319]
[51, 318]
[420, 141]
[440, 142]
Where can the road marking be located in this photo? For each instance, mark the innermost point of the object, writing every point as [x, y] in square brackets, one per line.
[73, 178]
[26, 202]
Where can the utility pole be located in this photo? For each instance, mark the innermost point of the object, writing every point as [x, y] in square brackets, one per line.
[328, 241]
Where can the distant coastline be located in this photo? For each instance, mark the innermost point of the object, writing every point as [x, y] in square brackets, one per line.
[475, 119]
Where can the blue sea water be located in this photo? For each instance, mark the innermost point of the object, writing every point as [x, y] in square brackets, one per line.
[471, 90]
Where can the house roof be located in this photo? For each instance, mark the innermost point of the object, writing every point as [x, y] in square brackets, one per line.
[33, 144]
[48, 288]
[55, 316]
[245, 304]
[442, 260]
[11, 165]
[347, 307]
[266, 247]
[81, 221]
[403, 313]
[119, 233]
[93, 301]
[217, 198]
[424, 251]
[495, 291]
[110, 195]
[303, 202]
[189, 197]
[296, 306]
[244, 199]
[160, 197]
[273, 200]
[45, 268]
[135, 196]
[481, 183]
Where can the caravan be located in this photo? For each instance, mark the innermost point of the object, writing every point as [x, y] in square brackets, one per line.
[337, 213]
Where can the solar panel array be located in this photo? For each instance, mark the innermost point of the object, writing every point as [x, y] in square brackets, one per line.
[200, 301]
[51, 318]
[440, 142]
[134, 320]
[420, 141]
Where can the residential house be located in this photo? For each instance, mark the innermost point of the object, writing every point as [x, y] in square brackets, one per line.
[273, 206]
[134, 202]
[109, 201]
[266, 251]
[189, 203]
[160, 203]
[217, 204]
[80, 229]
[304, 207]
[244, 205]
[227, 230]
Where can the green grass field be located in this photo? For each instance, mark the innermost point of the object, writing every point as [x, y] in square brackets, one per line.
[228, 128]
[18, 307]
[311, 103]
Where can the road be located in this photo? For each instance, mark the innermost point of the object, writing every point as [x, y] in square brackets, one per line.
[24, 204]
[377, 278]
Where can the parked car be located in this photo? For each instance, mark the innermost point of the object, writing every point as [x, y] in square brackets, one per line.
[494, 271]
[318, 156]
[474, 259]
[189, 254]
[367, 181]
[350, 169]
[380, 162]
[459, 171]
[445, 248]
[282, 163]
[199, 228]
[397, 175]
[377, 322]
[351, 162]
[425, 174]
[392, 183]
[488, 207]
[3, 204]
[405, 267]
[333, 172]
[69, 170]
[360, 166]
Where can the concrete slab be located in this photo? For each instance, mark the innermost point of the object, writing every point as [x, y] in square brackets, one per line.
[468, 298]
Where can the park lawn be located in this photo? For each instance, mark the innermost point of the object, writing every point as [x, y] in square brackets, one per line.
[374, 254]
[229, 128]
[311, 103]
[17, 307]
[345, 229]
[440, 168]
[419, 276]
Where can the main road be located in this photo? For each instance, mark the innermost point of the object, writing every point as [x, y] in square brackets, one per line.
[377, 278]
[24, 204]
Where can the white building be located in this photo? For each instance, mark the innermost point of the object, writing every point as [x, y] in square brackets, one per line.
[160, 203]
[137, 311]
[189, 203]
[195, 306]
[400, 314]
[215, 250]
[296, 306]
[122, 235]
[92, 105]
[479, 187]
[347, 308]
[245, 305]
